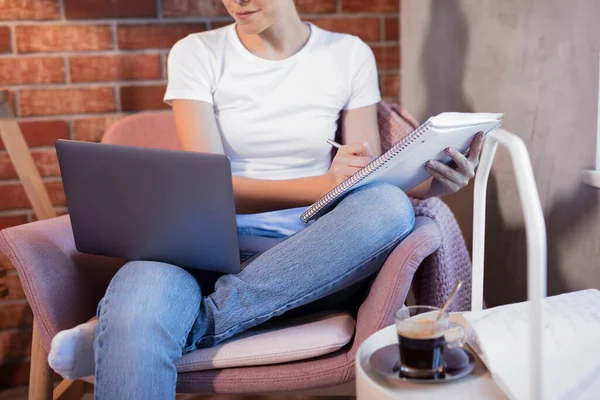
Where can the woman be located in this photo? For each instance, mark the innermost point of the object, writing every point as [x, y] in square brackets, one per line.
[266, 91]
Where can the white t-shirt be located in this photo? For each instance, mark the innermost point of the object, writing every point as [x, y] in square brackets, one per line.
[274, 116]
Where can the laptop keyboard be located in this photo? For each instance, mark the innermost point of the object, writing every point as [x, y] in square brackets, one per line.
[245, 255]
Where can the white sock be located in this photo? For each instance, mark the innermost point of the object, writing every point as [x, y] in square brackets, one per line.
[72, 351]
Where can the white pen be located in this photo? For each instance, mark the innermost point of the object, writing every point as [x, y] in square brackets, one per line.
[337, 146]
[334, 143]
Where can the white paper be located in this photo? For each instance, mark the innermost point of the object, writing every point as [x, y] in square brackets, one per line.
[570, 345]
[458, 120]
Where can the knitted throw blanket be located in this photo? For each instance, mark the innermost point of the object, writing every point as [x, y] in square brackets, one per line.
[435, 278]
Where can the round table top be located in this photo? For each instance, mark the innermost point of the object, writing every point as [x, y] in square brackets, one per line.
[370, 386]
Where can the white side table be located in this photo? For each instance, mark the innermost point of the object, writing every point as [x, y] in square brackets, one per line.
[370, 386]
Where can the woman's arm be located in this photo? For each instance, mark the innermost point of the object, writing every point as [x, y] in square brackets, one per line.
[360, 125]
[197, 126]
[197, 130]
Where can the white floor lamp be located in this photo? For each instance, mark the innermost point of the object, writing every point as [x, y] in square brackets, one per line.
[535, 228]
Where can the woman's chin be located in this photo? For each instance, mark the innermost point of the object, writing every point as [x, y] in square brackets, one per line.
[250, 28]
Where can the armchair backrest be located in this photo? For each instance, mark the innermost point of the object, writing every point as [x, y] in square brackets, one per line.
[154, 129]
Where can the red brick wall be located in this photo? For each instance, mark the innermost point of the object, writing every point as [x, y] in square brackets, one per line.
[74, 67]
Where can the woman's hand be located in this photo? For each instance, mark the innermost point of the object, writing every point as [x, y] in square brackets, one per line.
[448, 180]
[348, 160]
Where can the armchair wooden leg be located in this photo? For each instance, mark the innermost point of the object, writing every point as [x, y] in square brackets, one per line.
[70, 390]
[41, 375]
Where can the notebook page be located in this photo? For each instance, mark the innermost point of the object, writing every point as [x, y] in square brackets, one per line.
[457, 120]
[571, 349]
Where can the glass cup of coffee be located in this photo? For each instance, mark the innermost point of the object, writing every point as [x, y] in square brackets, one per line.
[422, 338]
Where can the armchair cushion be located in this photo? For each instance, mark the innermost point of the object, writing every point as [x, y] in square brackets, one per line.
[302, 338]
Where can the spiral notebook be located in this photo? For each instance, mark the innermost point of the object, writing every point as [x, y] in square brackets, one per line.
[404, 164]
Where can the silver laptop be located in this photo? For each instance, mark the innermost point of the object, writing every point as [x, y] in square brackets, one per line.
[153, 204]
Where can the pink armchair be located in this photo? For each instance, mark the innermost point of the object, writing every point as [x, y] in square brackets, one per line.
[64, 286]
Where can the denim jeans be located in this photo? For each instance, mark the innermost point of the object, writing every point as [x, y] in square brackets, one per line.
[153, 312]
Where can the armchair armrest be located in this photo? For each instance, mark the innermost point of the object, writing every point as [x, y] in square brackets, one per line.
[391, 286]
[63, 286]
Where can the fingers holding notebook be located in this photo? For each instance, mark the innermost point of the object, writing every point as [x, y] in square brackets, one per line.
[475, 150]
[445, 179]
[450, 180]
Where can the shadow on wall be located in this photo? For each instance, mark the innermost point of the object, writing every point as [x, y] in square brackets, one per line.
[506, 250]
[443, 58]
[443, 61]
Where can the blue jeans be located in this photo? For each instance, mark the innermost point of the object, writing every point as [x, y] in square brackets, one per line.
[153, 312]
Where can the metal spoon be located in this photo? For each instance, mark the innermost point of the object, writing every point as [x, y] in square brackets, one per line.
[450, 298]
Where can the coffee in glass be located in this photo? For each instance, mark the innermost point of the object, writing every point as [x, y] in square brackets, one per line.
[422, 339]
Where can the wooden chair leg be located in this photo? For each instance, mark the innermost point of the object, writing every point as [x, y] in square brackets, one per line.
[70, 390]
[41, 376]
